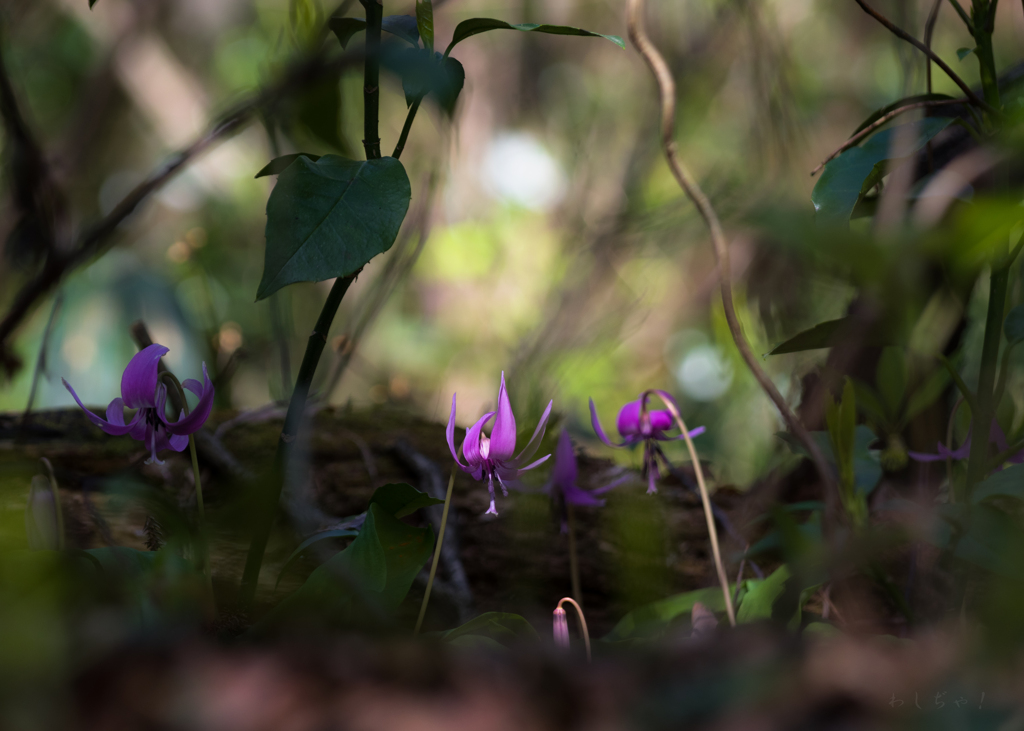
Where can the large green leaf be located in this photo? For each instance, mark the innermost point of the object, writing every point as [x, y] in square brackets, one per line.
[428, 74]
[858, 169]
[917, 98]
[891, 378]
[1013, 325]
[830, 333]
[400, 499]
[471, 27]
[501, 627]
[403, 26]
[776, 598]
[926, 394]
[330, 217]
[315, 538]
[278, 164]
[651, 621]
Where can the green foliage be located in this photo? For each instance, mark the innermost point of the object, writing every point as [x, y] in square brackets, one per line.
[906, 101]
[652, 621]
[473, 26]
[779, 597]
[493, 628]
[962, 53]
[826, 335]
[1013, 326]
[328, 218]
[425, 23]
[1004, 483]
[401, 26]
[847, 178]
[429, 74]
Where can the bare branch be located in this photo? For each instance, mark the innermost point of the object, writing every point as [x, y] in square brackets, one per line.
[666, 88]
[900, 33]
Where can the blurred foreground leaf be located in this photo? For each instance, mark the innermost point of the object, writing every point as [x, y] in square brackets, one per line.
[330, 217]
[502, 628]
[403, 26]
[653, 620]
[471, 27]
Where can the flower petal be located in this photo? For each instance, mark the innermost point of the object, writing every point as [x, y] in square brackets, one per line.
[538, 434]
[530, 466]
[471, 444]
[925, 457]
[596, 423]
[578, 496]
[612, 485]
[695, 432]
[628, 421]
[198, 416]
[138, 383]
[503, 436]
[565, 471]
[450, 433]
[109, 425]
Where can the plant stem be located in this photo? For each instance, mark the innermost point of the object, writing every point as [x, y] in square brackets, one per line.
[583, 622]
[292, 420]
[371, 78]
[406, 127]
[984, 23]
[437, 554]
[574, 567]
[977, 465]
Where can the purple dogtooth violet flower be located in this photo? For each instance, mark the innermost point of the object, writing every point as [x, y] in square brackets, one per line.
[141, 389]
[491, 457]
[639, 425]
[561, 628]
[996, 438]
[562, 486]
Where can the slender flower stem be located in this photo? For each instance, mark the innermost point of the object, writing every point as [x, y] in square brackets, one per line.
[292, 420]
[705, 498]
[437, 554]
[169, 378]
[371, 78]
[583, 621]
[574, 567]
[949, 448]
[667, 94]
[409, 117]
[55, 490]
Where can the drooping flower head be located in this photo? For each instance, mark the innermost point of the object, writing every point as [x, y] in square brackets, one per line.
[491, 457]
[141, 389]
[996, 438]
[637, 424]
[562, 486]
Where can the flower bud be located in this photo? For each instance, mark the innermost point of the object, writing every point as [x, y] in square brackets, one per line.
[41, 521]
[561, 628]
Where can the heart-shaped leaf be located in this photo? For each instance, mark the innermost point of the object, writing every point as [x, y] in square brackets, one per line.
[328, 218]
[471, 27]
[428, 74]
[1013, 325]
[400, 499]
[846, 178]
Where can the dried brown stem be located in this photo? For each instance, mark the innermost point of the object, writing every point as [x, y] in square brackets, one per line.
[900, 33]
[885, 118]
[666, 88]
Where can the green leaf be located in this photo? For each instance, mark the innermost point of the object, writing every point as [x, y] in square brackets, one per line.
[651, 621]
[853, 173]
[322, 535]
[425, 73]
[917, 98]
[91, 3]
[1005, 483]
[403, 26]
[992, 541]
[962, 53]
[501, 627]
[400, 499]
[891, 379]
[471, 27]
[425, 23]
[822, 335]
[1013, 326]
[869, 402]
[761, 595]
[330, 217]
[278, 164]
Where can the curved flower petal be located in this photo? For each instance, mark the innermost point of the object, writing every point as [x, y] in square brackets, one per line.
[925, 457]
[110, 425]
[471, 445]
[578, 496]
[138, 383]
[565, 471]
[503, 436]
[530, 466]
[596, 423]
[450, 433]
[695, 432]
[611, 485]
[538, 434]
[628, 421]
[198, 416]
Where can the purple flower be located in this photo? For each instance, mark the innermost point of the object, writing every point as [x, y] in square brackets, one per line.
[140, 389]
[648, 428]
[562, 486]
[491, 457]
[996, 437]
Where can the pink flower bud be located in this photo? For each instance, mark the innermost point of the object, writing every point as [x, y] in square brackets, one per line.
[561, 629]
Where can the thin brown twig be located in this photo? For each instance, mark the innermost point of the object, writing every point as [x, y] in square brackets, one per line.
[900, 33]
[666, 88]
[93, 240]
[929, 29]
[885, 118]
